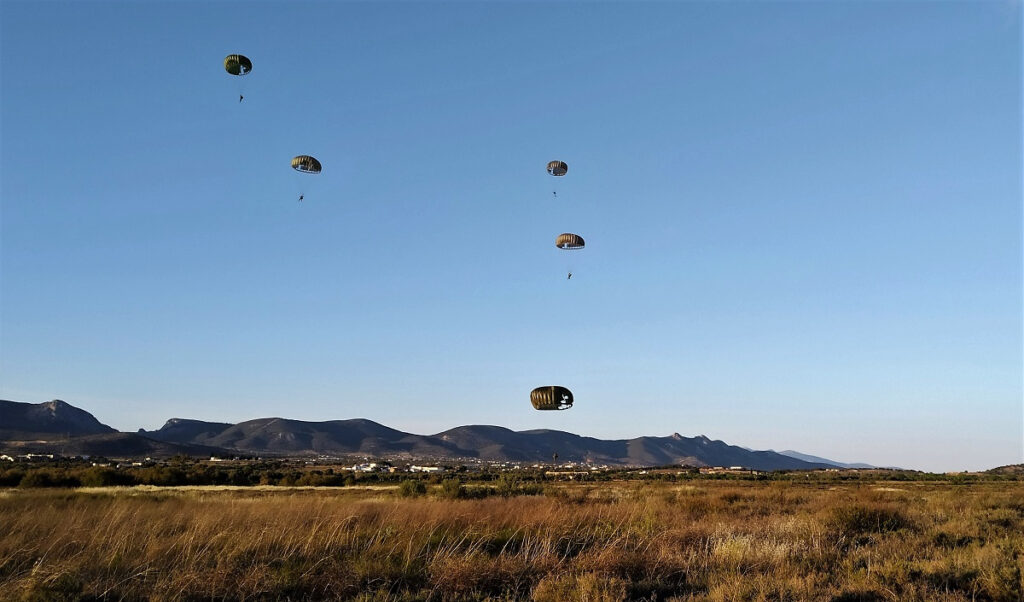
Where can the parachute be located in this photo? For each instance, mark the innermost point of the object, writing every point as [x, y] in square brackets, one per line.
[237, 64]
[551, 398]
[558, 168]
[569, 242]
[306, 164]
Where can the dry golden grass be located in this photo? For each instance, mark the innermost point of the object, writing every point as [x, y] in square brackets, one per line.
[618, 541]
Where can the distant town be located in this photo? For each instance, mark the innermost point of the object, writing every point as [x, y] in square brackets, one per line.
[55, 470]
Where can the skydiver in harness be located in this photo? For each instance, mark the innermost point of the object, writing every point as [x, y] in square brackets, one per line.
[570, 276]
[301, 196]
[240, 97]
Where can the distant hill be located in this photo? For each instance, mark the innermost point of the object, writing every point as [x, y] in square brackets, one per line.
[1009, 469]
[502, 444]
[45, 428]
[30, 421]
[110, 445]
[810, 458]
[282, 436]
[497, 443]
[183, 429]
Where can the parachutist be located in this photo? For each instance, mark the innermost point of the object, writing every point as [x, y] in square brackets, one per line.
[307, 165]
[239, 66]
[554, 193]
[570, 276]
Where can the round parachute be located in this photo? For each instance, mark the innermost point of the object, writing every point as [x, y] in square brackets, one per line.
[236, 64]
[569, 241]
[306, 164]
[551, 398]
[558, 168]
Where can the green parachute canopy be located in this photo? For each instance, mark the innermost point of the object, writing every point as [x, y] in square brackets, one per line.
[237, 64]
[558, 168]
[551, 398]
[569, 242]
[306, 164]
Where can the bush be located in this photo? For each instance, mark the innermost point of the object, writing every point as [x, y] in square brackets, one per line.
[853, 521]
[45, 478]
[161, 475]
[11, 478]
[510, 485]
[105, 477]
[452, 489]
[507, 485]
[319, 479]
[410, 488]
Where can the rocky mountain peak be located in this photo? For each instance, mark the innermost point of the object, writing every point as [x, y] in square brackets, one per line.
[55, 405]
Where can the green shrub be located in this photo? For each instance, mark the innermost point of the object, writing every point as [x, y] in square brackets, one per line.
[510, 485]
[45, 478]
[411, 488]
[98, 476]
[452, 489]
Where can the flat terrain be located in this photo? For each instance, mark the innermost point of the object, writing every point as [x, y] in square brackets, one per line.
[696, 540]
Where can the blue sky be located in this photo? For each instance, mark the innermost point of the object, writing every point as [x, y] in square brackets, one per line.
[803, 220]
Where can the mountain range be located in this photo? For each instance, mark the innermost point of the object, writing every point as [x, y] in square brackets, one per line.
[58, 427]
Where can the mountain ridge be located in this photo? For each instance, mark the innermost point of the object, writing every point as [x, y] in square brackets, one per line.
[28, 421]
[811, 458]
[276, 436]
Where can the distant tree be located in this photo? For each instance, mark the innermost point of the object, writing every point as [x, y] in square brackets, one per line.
[101, 476]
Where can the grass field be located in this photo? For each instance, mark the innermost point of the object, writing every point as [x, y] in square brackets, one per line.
[703, 540]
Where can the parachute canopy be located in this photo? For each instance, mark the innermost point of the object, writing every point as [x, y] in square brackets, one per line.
[558, 168]
[551, 398]
[569, 241]
[237, 64]
[306, 164]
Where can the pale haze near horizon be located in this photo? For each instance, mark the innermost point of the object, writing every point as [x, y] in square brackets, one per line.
[803, 220]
